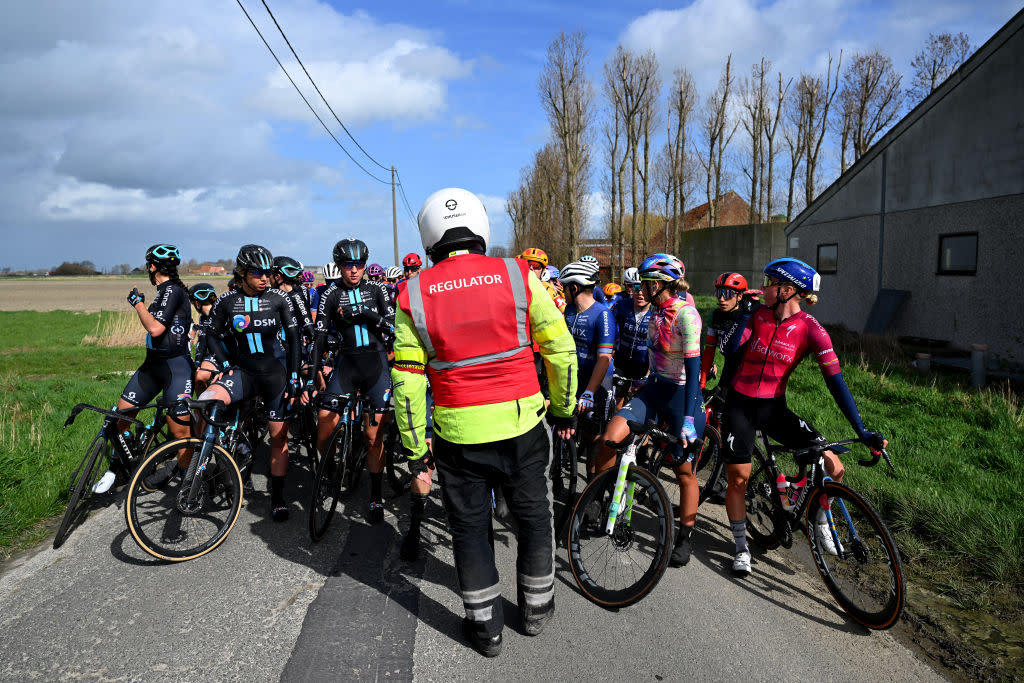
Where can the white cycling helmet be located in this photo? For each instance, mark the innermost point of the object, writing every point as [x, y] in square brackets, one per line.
[631, 276]
[450, 217]
[592, 260]
[393, 273]
[331, 271]
[583, 274]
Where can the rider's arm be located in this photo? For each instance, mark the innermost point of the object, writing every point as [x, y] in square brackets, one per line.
[218, 328]
[409, 385]
[820, 344]
[737, 335]
[688, 326]
[557, 348]
[292, 336]
[707, 356]
[604, 339]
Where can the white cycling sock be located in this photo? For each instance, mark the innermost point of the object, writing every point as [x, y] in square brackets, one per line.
[739, 534]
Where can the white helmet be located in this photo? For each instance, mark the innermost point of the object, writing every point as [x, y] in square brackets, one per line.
[631, 276]
[331, 271]
[451, 216]
[583, 274]
[589, 259]
[393, 273]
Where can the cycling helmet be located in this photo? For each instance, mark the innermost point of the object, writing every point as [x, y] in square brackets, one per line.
[631, 276]
[550, 273]
[374, 270]
[412, 261]
[202, 292]
[307, 276]
[587, 258]
[579, 274]
[795, 271]
[163, 255]
[393, 273]
[253, 257]
[536, 255]
[350, 250]
[611, 289]
[664, 267]
[450, 218]
[331, 271]
[731, 281]
[287, 267]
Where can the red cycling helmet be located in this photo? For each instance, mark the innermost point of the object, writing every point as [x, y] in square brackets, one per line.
[731, 281]
[412, 261]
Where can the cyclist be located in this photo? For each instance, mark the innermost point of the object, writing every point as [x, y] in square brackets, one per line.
[593, 329]
[549, 279]
[374, 272]
[259, 318]
[393, 274]
[591, 262]
[613, 292]
[536, 259]
[167, 368]
[632, 318]
[771, 342]
[730, 289]
[411, 265]
[286, 276]
[364, 318]
[203, 295]
[673, 390]
[331, 274]
[467, 323]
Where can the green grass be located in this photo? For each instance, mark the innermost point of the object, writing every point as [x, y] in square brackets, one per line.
[44, 372]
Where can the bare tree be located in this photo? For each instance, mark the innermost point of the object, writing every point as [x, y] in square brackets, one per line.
[771, 127]
[567, 95]
[794, 133]
[941, 56]
[682, 98]
[871, 87]
[716, 124]
[815, 97]
[754, 97]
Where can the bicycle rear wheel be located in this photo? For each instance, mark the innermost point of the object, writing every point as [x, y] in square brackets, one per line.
[89, 471]
[398, 478]
[165, 520]
[863, 571]
[564, 477]
[619, 569]
[763, 504]
[709, 462]
[327, 483]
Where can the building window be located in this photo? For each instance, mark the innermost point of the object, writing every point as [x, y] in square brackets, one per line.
[828, 258]
[958, 254]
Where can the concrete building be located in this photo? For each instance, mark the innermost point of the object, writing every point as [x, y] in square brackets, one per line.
[924, 235]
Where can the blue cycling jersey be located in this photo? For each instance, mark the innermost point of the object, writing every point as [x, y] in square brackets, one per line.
[594, 333]
[631, 348]
[599, 296]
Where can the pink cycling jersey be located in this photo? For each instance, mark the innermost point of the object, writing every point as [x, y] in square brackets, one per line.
[771, 351]
[673, 336]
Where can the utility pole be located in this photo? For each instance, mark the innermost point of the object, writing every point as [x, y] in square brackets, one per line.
[394, 213]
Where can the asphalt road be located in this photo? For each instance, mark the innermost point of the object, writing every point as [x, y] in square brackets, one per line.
[271, 605]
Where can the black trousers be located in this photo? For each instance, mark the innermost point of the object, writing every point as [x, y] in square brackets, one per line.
[468, 472]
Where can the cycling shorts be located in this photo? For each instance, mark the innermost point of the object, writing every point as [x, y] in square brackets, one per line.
[365, 372]
[743, 416]
[170, 375]
[266, 380]
[666, 402]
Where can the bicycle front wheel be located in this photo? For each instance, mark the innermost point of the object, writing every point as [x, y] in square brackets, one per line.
[564, 477]
[177, 519]
[88, 473]
[620, 568]
[763, 504]
[327, 483]
[858, 561]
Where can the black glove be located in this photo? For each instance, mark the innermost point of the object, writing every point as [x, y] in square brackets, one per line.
[873, 440]
[294, 389]
[370, 316]
[561, 422]
[418, 466]
[136, 297]
[749, 303]
[350, 313]
[310, 390]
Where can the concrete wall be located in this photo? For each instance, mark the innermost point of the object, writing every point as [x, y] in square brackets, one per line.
[709, 252]
[954, 164]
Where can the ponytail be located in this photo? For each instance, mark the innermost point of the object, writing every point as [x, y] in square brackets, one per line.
[677, 286]
[811, 299]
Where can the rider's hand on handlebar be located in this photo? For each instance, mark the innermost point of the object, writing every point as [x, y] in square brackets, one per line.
[689, 431]
[874, 440]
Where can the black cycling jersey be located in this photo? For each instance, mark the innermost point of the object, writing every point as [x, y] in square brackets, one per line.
[172, 309]
[254, 323]
[363, 316]
[300, 302]
[722, 322]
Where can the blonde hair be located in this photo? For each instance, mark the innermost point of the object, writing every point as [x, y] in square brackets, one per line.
[680, 285]
[811, 299]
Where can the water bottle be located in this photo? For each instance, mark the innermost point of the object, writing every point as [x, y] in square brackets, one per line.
[783, 486]
[795, 488]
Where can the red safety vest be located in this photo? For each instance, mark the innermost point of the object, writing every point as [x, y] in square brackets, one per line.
[472, 314]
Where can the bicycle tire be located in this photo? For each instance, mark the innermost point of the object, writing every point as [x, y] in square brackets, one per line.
[866, 576]
[358, 452]
[600, 562]
[90, 469]
[158, 519]
[564, 472]
[398, 479]
[327, 483]
[709, 462]
[763, 504]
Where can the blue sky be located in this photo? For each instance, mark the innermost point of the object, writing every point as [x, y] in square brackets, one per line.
[132, 123]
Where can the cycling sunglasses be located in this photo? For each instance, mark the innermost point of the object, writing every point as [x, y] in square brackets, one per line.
[768, 282]
[290, 271]
[353, 264]
[203, 294]
[635, 288]
[726, 293]
[258, 272]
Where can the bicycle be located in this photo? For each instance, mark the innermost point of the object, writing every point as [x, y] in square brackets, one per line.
[394, 456]
[858, 560]
[341, 463]
[177, 516]
[94, 464]
[622, 527]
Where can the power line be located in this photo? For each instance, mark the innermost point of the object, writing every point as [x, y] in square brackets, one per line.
[294, 85]
[405, 199]
[296, 55]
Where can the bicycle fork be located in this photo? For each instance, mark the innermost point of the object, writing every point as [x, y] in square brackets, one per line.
[194, 479]
[623, 490]
[826, 505]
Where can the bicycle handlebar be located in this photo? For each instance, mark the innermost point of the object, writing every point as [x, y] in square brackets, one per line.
[638, 429]
[109, 413]
[808, 456]
[206, 406]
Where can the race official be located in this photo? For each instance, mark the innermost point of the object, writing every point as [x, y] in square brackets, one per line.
[469, 323]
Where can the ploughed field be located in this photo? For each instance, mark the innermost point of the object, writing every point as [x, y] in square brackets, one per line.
[85, 293]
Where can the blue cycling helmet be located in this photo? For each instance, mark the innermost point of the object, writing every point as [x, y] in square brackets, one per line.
[550, 273]
[794, 271]
[664, 267]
